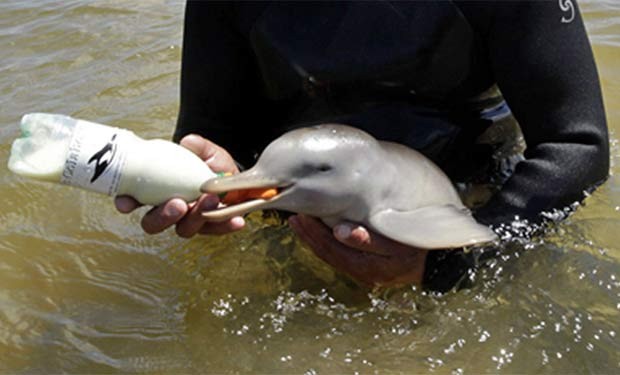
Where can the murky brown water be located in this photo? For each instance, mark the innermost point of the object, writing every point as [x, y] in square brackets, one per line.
[83, 290]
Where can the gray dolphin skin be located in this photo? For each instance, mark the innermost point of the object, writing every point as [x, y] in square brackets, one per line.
[337, 172]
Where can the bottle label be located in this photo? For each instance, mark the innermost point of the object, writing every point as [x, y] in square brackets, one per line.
[96, 157]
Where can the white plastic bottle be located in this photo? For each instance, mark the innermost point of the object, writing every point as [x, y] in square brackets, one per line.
[105, 159]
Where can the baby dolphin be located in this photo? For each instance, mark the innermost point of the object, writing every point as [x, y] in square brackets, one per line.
[337, 172]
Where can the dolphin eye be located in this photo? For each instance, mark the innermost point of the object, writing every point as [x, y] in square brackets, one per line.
[324, 168]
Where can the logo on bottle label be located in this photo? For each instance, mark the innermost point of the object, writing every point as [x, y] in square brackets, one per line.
[96, 157]
[103, 158]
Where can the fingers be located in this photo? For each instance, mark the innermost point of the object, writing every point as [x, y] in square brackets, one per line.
[218, 159]
[321, 242]
[187, 218]
[200, 146]
[358, 237]
[126, 204]
[161, 217]
[232, 225]
[193, 222]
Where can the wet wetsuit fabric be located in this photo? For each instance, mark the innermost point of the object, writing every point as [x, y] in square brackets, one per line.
[406, 72]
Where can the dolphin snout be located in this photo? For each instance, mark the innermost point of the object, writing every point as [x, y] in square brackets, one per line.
[249, 180]
[245, 180]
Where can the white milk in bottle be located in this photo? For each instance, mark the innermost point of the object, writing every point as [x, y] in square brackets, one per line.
[105, 159]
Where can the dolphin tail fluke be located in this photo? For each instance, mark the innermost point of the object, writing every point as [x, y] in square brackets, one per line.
[432, 227]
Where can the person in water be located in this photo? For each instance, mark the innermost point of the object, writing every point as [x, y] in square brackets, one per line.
[425, 74]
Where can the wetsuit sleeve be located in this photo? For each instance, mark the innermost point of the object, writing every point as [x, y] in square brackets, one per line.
[543, 64]
[220, 96]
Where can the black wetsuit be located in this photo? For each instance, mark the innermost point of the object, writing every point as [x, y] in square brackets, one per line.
[411, 72]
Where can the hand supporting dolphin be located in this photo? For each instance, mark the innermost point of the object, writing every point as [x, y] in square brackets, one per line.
[337, 172]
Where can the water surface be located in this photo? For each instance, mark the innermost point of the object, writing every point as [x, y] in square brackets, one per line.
[83, 290]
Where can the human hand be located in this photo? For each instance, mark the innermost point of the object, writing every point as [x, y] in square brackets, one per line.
[187, 217]
[368, 257]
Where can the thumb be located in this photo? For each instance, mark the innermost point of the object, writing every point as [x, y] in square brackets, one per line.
[217, 158]
[356, 236]
[200, 146]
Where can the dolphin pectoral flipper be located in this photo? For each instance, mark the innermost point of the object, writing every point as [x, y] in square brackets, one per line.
[432, 227]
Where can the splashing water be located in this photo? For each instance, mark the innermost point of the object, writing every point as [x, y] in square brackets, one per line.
[85, 291]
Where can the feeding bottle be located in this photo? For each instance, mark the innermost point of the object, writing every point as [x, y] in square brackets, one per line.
[105, 159]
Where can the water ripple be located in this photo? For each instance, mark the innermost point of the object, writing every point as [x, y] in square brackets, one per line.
[84, 290]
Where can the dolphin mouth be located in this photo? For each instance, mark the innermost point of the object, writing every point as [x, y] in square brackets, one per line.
[242, 181]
